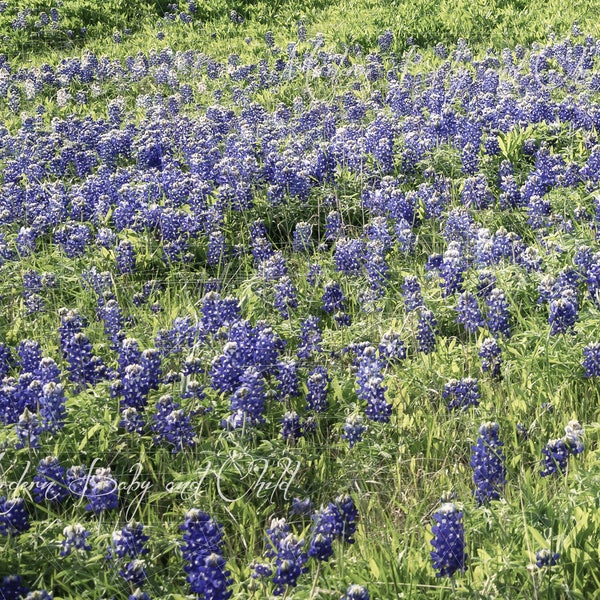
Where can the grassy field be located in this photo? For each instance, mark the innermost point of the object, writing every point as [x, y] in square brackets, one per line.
[327, 272]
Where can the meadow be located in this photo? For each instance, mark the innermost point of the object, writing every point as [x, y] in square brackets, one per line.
[299, 300]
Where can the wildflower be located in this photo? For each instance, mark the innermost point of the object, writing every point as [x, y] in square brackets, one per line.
[353, 430]
[356, 592]
[487, 461]
[556, 456]
[491, 357]
[461, 393]
[50, 484]
[75, 537]
[563, 312]
[448, 542]
[546, 558]
[310, 337]
[130, 541]
[289, 563]
[14, 519]
[498, 316]
[134, 571]
[468, 312]
[11, 587]
[426, 331]
[392, 347]
[291, 426]
[591, 359]
[202, 552]
[316, 399]
[102, 491]
[369, 378]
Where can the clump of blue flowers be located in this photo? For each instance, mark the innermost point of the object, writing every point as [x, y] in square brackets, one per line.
[448, 555]
[203, 554]
[487, 460]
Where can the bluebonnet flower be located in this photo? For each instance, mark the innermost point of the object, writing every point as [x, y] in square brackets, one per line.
[261, 570]
[349, 256]
[574, 437]
[173, 425]
[487, 460]
[202, 552]
[356, 592]
[314, 272]
[459, 228]
[134, 387]
[591, 359]
[289, 563]
[369, 378]
[132, 421]
[106, 237]
[302, 237]
[468, 312]
[102, 491]
[353, 430]
[50, 484]
[52, 407]
[556, 457]
[6, 360]
[392, 347]
[126, 260]
[285, 297]
[452, 269]
[75, 537]
[434, 263]
[317, 382]
[84, 367]
[247, 402]
[334, 226]
[491, 357]
[563, 312]
[448, 542]
[30, 355]
[218, 312]
[216, 249]
[412, 293]
[405, 238]
[498, 315]
[291, 426]
[134, 571]
[426, 331]
[11, 587]
[129, 542]
[546, 558]
[310, 337]
[385, 41]
[73, 238]
[333, 298]
[476, 193]
[278, 529]
[28, 429]
[376, 266]
[461, 393]
[287, 376]
[14, 518]
[138, 594]
[77, 479]
[335, 521]
[301, 507]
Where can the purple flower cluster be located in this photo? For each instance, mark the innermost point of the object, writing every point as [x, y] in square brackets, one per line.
[460, 394]
[487, 460]
[448, 555]
[203, 554]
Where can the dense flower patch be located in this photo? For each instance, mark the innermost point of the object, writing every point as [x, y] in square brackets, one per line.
[204, 286]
